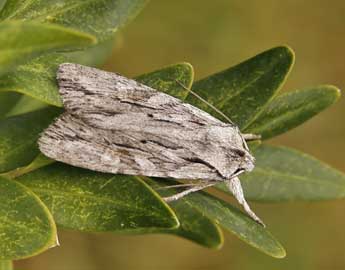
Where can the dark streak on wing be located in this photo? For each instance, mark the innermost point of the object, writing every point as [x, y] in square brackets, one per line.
[114, 124]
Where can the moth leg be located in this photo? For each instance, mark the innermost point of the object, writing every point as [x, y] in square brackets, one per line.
[190, 190]
[178, 186]
[251, 137]
[235, 187]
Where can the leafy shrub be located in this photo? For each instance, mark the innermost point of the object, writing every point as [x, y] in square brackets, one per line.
[36, 193]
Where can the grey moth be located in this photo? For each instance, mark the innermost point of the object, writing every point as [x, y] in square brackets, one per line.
[116, 125]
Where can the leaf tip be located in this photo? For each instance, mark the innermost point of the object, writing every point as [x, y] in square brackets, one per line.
[276, 250]
[56, 242]
[189, 68]
[287, 50]
[173, 221]
[289, 53]
[332, 92]
[219, 244]
[280, 253]
[334, 89]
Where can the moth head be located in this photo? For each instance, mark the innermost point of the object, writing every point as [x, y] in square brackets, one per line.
[231, 155]
[240, 151]
[248, 159]
[245, 161]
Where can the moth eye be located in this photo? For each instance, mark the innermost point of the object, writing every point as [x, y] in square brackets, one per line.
[150, 115]
[143, 141]
[239, 152]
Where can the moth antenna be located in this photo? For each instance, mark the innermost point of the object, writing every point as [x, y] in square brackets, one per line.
[205, 101]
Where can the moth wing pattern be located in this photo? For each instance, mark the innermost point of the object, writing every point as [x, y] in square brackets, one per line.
[72, 141]
[115, 124]
[85, 90]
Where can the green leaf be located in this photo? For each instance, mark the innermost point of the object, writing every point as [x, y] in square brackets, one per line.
[193, 224]
[25, 43]
[18, 136]
[95, 56]
[241, 92]
[169, 79]
[25, 104]
[99, 18]
[233, 220]
[36, 79]
[26, 226]
[292, 109]
[6, 265]
[7, 101]
[39, 162]
[90, 201]
[283, 174]
[236, 222]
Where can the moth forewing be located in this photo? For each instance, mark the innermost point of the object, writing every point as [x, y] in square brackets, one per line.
[117, 125]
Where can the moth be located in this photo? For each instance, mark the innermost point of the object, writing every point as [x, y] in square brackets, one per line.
[116, 125]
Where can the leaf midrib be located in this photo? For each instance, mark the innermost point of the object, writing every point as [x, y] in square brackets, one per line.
[242, 89]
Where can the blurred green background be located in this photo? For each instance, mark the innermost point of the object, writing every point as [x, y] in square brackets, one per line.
[213, 35]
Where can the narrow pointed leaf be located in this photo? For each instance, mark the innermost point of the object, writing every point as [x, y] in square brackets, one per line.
[170, 79]
[292, 109]
[18, 136]
[25, 43]
[194, 225]
[233, 220]
[27, 228]
[90, 201]
[284, 174]
[99, 18]
[238, 223]
[242, 91]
